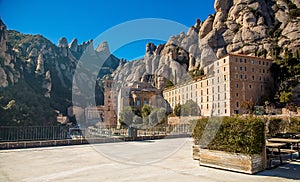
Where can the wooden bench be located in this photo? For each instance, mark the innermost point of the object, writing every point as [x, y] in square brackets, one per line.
[288, 151]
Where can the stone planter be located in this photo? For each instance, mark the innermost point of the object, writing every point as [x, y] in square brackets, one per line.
[249, 164]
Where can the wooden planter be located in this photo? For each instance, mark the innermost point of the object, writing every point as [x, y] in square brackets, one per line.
[196, 154]
[249, 164]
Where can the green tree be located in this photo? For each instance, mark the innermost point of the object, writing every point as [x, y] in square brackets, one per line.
[126, 115]
[248, 106]
[177, 110]
[169, 84]
[146, 110]
[286, 97]
[190, 108]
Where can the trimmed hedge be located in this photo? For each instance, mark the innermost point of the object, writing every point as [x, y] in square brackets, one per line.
[279, 125]
[231, 134]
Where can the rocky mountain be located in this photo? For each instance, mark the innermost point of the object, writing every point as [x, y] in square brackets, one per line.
[265, 28]
[43, 70]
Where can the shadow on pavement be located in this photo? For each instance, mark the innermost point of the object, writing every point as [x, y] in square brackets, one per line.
[289, 170]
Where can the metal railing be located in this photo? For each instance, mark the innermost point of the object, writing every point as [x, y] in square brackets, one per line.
[35, 133]
[30, 133]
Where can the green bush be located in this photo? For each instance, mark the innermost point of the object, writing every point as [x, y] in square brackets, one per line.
[279, 125]
[294, 126]
[275, 126]
[233, 134]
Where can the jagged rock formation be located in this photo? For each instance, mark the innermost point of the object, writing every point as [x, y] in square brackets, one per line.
[254, 27]
[35, 63]
[10, 70]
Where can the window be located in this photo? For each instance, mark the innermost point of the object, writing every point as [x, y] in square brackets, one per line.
[201, 84]
[207, 106]
[218, 96]
[236, 59]
[241, 68]
[263, 70]
[236, 76]
[224, 77]
[260, 78]
[201, 99]
[259, 62]
[237, 104]
[145, 102]
[245, 68]
[207, 98]
[253, 78]
[213, 98]
[224, 61]
[213, 90]
[201, 106]
[245, 77]
[225, 111]
[207, 82]
[237, 94]
[207, 91]
[267, 63]
[217, 63]
[241, 76]
[224, 95]
[225, 104]
[218, 71]
[201, 92]
[253, 69]
[252, 61]
[218, 88]
[224, 87]
[218, 105]
[241, 60]
[218, 79]
[235, 68]
[263, 63]
[245, 61]
[213, 81]
[237, 85]
[224, 68]
[138, 102]
[250, 86]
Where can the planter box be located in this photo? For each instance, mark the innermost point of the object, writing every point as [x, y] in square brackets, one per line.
[196, 152]
[249, 164]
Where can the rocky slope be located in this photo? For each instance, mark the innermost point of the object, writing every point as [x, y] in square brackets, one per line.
[44, 68]
[254, 27]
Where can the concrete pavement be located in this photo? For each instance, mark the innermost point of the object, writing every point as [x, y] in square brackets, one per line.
[160, 160]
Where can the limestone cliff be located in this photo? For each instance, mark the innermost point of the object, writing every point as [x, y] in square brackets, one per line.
[46, 68]
[10, 70]
[254, 27]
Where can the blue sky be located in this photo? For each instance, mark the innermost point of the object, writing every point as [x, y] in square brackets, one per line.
[87, 19]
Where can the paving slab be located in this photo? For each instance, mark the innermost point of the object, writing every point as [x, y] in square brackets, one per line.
[159, 160]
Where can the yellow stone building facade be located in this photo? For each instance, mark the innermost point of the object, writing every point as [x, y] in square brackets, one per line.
[228, 82]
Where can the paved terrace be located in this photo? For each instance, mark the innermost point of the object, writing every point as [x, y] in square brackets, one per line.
[160, 160]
